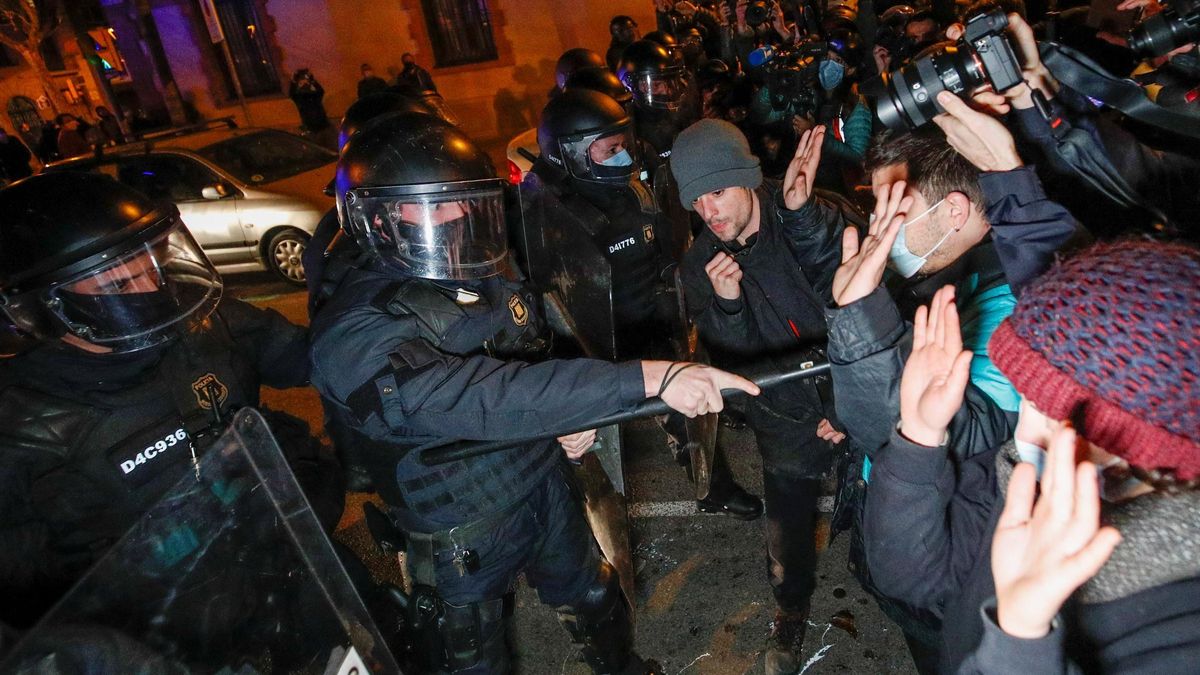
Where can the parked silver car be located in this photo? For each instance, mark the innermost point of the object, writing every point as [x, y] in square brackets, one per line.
[251, 197]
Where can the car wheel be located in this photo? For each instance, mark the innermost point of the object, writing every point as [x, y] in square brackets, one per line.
[285, 254]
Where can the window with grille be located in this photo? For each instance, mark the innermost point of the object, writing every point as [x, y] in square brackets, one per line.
[460, 31]
[248, 46]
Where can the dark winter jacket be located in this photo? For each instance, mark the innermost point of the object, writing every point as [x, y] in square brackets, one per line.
[1141, 613]
[869, 339]
[408, 361]
[89, 441]
[787, 280]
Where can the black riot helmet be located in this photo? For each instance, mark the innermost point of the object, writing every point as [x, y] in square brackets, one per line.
[656, 79]
[82, 254]
[602, 80]
[418, 195]
[663, 38]
[590, 136]
[371, 106]
[574, 60]
[668, 43]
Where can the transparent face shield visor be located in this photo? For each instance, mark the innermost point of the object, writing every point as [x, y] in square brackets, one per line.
[609, 155]
[667, 90]
[449, 235]
[135, 300]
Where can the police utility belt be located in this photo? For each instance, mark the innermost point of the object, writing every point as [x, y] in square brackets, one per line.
[461, 540]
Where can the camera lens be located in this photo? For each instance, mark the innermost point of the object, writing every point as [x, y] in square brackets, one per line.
[757, 13]
[910, 94]
[1165, 31]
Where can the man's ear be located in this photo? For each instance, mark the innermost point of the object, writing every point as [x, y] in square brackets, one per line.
[959, 209]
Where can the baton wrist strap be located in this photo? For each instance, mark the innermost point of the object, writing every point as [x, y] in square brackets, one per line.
[669, 376]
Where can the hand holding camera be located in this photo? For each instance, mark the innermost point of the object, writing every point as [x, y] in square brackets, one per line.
[980, 138]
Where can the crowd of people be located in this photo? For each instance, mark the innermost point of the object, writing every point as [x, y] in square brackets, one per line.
[999, 270]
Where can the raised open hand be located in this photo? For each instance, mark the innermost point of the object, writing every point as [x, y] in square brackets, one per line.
[936, 373]
[802, 170]
[1041, 553]
[863, 264]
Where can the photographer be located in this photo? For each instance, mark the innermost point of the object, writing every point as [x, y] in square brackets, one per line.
[1098, 167]
[308, 95]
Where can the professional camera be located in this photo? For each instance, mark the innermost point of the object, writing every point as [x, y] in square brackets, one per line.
[793, 75]
[1174, 27]
[907, 98]
[758, 12]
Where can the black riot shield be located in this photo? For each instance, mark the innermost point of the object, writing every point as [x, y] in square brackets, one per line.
[576, 282]
[674, 221]
[699, 434]
[567, 268]
[229, 572]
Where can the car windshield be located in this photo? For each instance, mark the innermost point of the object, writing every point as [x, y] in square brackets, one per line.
[267, 156]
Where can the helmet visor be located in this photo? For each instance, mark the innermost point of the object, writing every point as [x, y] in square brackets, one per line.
[663, 90]
[457, 235]
[607, 155]
[131, 301]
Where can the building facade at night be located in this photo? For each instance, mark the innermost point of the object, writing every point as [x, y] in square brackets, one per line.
[492, 60]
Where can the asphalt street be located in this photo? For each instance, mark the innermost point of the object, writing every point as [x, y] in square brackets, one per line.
[703, 603]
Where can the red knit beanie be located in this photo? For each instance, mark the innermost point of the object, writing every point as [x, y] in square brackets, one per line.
[1110, 339]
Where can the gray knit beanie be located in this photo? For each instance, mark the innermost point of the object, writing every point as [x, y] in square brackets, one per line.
[712, 155]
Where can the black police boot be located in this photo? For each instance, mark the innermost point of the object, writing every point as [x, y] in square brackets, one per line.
[785, 645]
[601, 625]
[726, 496]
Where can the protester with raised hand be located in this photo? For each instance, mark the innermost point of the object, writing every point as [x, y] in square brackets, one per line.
[1128, 384]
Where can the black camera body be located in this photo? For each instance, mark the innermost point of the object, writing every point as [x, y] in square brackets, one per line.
[1174, 27]
[793, 77]
[906, 99]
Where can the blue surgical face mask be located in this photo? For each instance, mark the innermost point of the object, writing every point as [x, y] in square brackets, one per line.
[1031, 453]
[903, 260]
[830, 74]
[622, 158]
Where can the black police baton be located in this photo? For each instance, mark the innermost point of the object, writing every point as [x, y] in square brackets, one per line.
[765, 375]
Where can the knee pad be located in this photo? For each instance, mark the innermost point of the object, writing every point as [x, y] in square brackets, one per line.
[600, 595]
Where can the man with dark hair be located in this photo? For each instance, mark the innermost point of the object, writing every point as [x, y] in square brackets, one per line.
[756, 282]
[954, 208]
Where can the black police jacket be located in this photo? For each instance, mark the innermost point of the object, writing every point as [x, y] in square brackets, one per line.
[410, 361]
[88, 442]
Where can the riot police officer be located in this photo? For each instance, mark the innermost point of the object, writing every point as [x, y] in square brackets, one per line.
[604, 81]
[421, 344]
[133, 364]
[664, 93]
[590, 176]
[572, 61]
